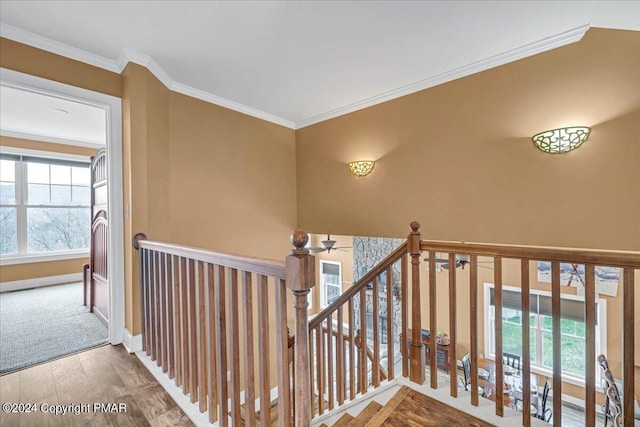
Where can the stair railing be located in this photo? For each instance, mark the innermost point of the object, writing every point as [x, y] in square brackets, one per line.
[208, 321]
[342, 368]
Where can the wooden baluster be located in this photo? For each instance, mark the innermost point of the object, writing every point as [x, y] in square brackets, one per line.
[170, 316]
[362, 346]
[313, 352]
[453, 378]
[152, 307]
[249, 375]
[416, 350]
[164, 317]
[628, 334]
[404, 308]
[192, 327]
[203, 368]
[499, 377]
[263, 349]
[590, 336]
[340, 371]
[143, 298]
[557, 351]
[300, 274]
[184, 323]
[282, 344]
[526, 345]
[210, 309]
[147, 303]
[473, 327]
[330, 362]
[352, 358]
[234, 347]
[390, 358]
[221, 345]
[176, 320]
[375, 317]
[320, 368]
[433, 327]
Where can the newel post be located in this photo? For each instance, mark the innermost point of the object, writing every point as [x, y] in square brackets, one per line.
[416, 350]
[300, 271]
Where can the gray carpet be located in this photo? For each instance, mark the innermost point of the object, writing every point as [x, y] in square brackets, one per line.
[41, 324]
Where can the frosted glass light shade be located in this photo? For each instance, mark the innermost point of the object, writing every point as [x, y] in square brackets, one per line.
[361, 167]
[561, 140]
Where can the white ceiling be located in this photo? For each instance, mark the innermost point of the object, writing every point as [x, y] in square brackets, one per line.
[39, 116]
[297, 63]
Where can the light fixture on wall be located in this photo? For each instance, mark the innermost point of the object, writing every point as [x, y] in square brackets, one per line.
[361, 167]
[558, 141]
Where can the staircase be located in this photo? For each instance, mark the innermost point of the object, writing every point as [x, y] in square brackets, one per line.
[409, 408]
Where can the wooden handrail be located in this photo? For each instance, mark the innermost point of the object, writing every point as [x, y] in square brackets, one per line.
[265, 267]
[622, 259]
[380, 268]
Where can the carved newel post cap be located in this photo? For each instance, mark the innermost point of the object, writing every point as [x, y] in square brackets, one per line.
[136, 240]
[415, 226]
[299, 239]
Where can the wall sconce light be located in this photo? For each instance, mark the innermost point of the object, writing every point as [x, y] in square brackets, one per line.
[558, 141]
[361, 167]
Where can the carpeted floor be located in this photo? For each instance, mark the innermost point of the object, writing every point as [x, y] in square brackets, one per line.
[41, 324]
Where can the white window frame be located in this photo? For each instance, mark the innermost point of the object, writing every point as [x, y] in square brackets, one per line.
[323, 285]
[537, 367]
[22, 256]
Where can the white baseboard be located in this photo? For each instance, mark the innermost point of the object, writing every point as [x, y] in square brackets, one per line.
[132, 343]
[184, 402]
[40, 281]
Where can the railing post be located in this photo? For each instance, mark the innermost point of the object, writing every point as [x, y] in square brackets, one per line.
[416, 351]
[300, 272]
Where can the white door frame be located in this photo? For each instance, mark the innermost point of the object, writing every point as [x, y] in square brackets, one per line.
[113, 114]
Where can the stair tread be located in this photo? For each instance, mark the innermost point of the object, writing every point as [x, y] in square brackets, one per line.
[380, 417]
[365, 416]
[343, 421]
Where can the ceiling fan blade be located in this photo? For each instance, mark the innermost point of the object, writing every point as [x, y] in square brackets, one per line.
[439, 260]
[317, 250]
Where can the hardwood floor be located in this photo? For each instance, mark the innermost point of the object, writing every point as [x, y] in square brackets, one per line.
[418, 410]
[104, 375]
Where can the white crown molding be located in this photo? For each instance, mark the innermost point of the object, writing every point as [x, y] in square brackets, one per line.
[223, 102]
[40, 42]
[43, 138]
[521, 52]
[128, 55]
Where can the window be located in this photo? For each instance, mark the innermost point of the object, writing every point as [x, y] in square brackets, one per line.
[330, 282]
[572, 330]
[44, 206]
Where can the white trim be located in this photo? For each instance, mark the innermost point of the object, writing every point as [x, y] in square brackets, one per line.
[44, 43]
[49, 256]
[530, 49]
[34, 137]
[132, 344]
[191, 410]
[44, 154]
[128, 55]
[113, 116]
[323, 297]
[38, 282]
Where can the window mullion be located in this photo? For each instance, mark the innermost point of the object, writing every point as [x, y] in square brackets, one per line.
[21, 210]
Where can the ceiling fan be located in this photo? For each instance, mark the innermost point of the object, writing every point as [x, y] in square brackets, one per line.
[328, 246]
[461, 261]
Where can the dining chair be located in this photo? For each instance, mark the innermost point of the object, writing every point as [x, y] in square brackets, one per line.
[541, 411]
[615, 405]
[466, 379]
[512, 360]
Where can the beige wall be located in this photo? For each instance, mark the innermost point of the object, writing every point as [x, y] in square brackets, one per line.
[34, 270]
[345, 258]
[463, 151]
[37, 62]
[201, 175]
